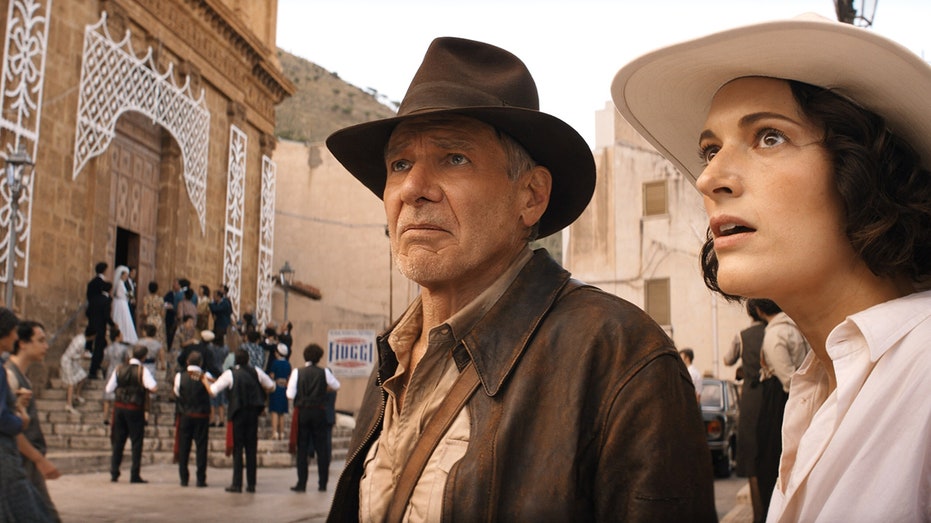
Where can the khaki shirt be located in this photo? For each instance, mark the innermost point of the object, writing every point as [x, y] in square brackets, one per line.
[434, 377]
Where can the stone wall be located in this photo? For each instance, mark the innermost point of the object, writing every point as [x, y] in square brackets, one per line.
[73, 217]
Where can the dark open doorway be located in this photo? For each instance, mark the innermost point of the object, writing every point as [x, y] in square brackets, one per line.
[127, 248]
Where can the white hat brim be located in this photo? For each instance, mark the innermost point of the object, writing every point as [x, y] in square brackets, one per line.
[665, 95]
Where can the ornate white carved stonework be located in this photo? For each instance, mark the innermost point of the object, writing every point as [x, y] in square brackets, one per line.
[263, 309]
[114, 80]
[235, 205]
[23, 78]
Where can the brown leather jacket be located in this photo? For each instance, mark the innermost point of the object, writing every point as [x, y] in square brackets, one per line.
[584, 413]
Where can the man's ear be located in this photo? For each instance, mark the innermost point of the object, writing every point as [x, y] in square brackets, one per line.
[536, 186]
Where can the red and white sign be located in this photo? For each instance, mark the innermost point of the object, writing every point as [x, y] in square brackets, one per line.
[351, 353]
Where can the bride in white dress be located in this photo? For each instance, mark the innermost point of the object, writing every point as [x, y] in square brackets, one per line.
[120, 307]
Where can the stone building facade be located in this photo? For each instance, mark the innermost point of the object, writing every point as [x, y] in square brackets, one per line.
[151, 123]
[639, 238]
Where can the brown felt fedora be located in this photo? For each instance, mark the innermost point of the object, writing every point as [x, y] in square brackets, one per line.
[481, 81]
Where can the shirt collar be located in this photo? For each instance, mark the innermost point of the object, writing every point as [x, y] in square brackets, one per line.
[882, 326]
[134, 361]
[462, 321]
[409, 326]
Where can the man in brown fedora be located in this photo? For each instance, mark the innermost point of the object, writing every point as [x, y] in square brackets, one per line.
[507, 391]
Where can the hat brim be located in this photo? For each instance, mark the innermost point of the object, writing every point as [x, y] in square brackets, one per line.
[551, 142]
[666, 94]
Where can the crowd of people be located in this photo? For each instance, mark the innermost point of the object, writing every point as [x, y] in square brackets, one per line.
[220, 373]
[223, 374]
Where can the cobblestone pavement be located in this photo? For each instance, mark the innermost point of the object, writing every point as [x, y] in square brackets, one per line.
[92, 498]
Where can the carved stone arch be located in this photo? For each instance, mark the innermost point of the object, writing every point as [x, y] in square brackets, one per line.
[114, 80]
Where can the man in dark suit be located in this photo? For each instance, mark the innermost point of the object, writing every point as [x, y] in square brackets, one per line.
[170, 312]
[98, 316]
[222, 310]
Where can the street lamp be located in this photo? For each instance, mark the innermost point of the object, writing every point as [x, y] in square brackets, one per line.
[285, 277]
[18, 168]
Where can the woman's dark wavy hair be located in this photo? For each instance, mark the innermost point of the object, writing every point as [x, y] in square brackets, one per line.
[885, 191]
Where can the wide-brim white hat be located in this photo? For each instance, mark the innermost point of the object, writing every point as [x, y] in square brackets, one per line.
[666, 94]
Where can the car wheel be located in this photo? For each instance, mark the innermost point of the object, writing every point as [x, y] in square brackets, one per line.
[732, 452]
[721, 462]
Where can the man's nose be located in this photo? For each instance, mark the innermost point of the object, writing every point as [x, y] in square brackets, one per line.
[420, 184]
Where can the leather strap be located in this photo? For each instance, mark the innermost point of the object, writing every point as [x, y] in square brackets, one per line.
[460, 393]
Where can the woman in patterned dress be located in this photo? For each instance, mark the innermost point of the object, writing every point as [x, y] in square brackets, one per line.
[72, 372]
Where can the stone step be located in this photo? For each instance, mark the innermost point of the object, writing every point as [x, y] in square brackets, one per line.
[80, 462]
[80, 442]
[83, 461]
[86, 436]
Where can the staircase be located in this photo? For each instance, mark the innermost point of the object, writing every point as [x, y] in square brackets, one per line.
[79, 443]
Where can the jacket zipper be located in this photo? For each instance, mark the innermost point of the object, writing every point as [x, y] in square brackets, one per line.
[371, 433]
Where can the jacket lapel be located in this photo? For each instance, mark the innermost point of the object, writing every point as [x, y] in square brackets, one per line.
[498, 340]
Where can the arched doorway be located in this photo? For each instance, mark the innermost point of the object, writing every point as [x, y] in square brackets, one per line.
[134, 165]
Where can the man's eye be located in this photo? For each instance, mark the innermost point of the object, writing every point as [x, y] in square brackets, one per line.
[458, 159]
[771, 138]
[400, 165]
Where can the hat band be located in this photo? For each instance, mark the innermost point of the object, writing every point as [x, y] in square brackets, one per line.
[439, 96]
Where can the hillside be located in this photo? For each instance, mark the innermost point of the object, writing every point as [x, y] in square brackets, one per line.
[322, 103]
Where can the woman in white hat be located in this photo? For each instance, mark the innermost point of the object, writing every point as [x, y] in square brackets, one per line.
[814, 149]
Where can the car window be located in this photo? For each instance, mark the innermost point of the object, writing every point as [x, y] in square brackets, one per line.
[712, 395]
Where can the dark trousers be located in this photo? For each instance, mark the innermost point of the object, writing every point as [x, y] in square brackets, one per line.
[127, 423]
[99, 344]
[245, 438]
[169, 330]
[312, 433]
[769, 437]
[193, 430]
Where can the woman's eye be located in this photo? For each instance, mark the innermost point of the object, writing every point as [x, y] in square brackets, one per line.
[458, 159]
[771, 138]
[707, 152]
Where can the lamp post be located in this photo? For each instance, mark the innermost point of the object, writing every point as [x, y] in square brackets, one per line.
[285, 277]
[18, 167]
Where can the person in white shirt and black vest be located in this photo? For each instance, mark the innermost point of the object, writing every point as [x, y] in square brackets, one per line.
[248, 388]
[308, 388]
[130, 383]
[193, 417]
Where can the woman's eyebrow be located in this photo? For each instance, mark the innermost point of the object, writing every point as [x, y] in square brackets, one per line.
[748, 121]
[752, 118]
